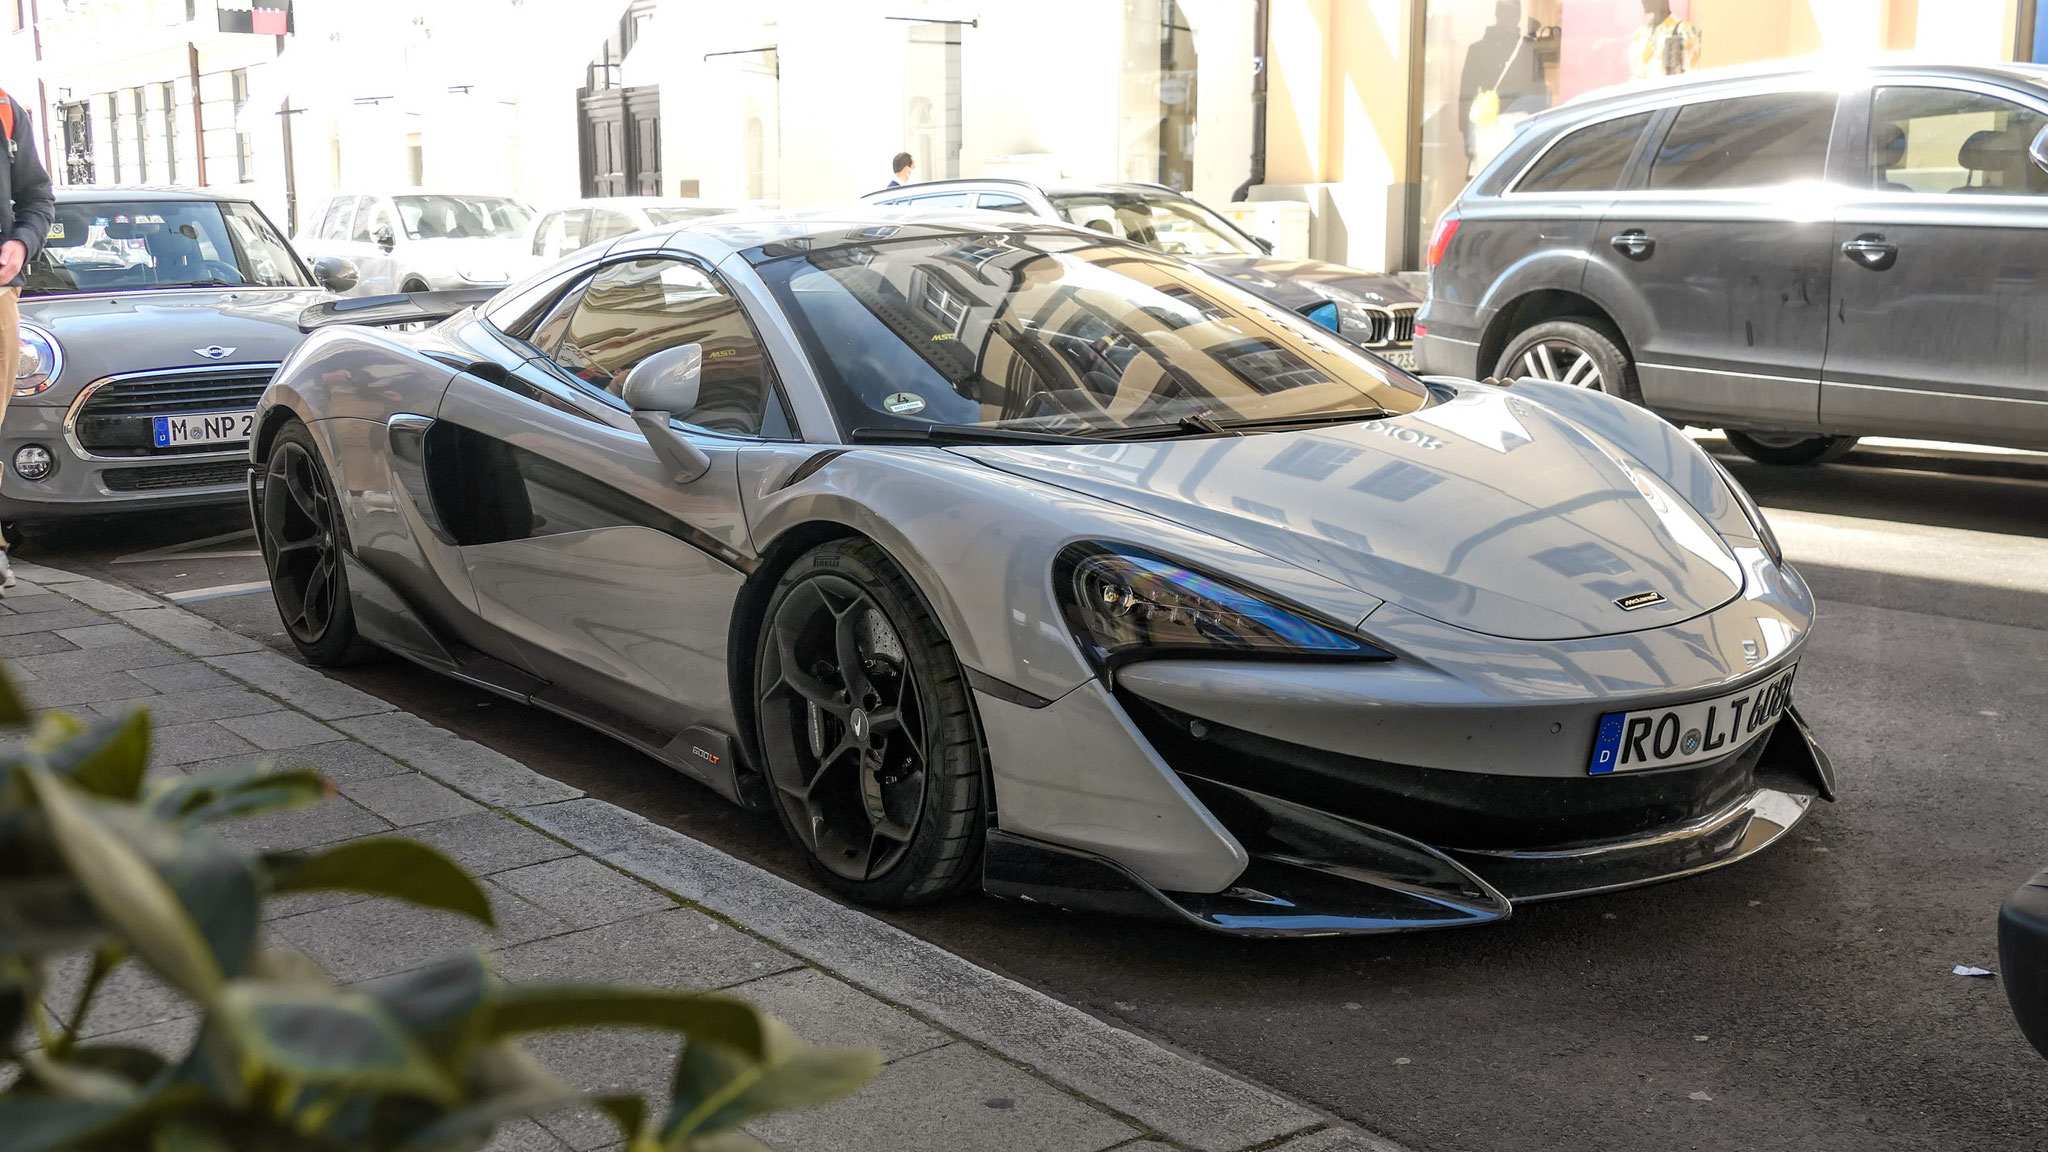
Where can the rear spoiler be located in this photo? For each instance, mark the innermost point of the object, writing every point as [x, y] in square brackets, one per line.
[400, 308]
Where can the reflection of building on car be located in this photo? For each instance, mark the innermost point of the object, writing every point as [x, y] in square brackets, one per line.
[1800, 257]
[151, 321]
[1373, 310]
[417, 241]
[1005, 554]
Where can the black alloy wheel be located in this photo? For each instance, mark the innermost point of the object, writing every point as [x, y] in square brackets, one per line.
[302, 548]
[865, 725]
[1789, 448]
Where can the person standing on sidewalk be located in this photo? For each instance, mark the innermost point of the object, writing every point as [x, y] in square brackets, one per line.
[27, 209]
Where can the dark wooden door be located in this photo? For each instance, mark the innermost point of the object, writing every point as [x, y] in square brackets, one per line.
[620, 133]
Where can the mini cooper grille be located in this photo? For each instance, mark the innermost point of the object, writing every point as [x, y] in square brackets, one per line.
[207, 475]
[1392, 325]
[115, 419]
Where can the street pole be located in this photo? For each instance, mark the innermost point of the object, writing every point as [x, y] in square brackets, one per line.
[198, 110]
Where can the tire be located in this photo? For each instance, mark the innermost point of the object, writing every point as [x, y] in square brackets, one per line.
[1790, 448]
[886, 801]
[1581, 351]
[299, 528]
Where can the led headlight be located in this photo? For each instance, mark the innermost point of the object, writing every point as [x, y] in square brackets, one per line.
[1751, 512]
[42, 361]
[1125, 603]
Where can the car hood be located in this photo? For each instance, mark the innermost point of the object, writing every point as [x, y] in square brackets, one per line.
[1298, 283]
[1486, 512]
[105, 333]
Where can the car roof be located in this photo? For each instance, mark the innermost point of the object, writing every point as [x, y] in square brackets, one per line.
[1735, 77]
[640, 202]
[94, 193]
[1047, 187]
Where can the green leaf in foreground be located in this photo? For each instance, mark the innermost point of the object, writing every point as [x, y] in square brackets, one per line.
[706, 1018]
[384, 866]
[331, 1037]
[128, 893]
[107, 759]
[236, 792]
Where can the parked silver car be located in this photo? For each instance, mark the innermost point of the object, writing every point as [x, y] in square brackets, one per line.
[995, 553]
[1800, 257]
[567, 227]
[418, 240]
[1374, 310]
[151, 322]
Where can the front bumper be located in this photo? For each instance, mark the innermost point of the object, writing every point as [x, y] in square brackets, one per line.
[82, 484]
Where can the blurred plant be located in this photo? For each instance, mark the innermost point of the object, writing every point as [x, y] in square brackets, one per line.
[283, 1059]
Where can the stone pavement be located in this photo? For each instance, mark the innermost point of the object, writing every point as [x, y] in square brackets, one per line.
[584, 890]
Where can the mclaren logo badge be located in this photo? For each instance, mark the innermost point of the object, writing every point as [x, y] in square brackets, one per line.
[215, 352]
[1635, 600]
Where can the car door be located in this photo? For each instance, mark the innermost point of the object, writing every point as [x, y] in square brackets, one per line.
[371, 241]
[1716, 260]
[617, 582]
[327, 229]
[607, 224]
[1940, 323]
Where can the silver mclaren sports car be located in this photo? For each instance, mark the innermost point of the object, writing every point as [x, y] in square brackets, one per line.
[990, 553]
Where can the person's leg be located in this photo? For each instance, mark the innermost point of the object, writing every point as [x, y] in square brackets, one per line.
[10, 366]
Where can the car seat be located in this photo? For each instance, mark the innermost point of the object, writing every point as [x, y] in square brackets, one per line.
[2000, 158]
[175, 254]
[1887, 151]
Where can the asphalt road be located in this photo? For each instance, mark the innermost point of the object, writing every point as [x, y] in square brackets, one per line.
[1801, 1000]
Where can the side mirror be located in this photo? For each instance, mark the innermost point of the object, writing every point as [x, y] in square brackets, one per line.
[1325, 314]
[335, 274]
[660, 388]
[2023, 955]
[1264, 244]
[2038, 150]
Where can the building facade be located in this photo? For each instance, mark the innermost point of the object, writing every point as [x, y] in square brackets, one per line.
[1373, 112]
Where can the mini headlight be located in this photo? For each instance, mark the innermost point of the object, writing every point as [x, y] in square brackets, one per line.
[1125, 602]
[42, 361]
[1752, 513]
[33, 462]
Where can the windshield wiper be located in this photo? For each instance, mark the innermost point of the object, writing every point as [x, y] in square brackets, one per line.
[1306, 419]
[205, 284]
[1203, 424]
[962, 434]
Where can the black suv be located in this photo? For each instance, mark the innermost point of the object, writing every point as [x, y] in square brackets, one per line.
[1799, 257]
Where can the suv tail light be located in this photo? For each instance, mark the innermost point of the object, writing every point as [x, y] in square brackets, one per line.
[1440, 240]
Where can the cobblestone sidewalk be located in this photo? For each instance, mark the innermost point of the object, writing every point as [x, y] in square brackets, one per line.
[584, 890]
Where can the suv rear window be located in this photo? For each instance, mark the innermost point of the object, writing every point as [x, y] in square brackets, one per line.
[1748, 142]
[1588, 160]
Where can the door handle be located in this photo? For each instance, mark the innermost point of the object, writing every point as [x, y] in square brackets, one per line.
[1872, 251]
[1634, 244]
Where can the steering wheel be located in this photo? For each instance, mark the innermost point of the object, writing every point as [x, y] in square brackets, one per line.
[222, 270]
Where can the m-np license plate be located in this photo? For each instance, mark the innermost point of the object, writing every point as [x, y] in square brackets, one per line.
[202, 428]
[1701, 730]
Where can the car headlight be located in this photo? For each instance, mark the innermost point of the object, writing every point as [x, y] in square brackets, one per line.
[484, 275]
[1751, 512]
[42, 361]
[1125, 603]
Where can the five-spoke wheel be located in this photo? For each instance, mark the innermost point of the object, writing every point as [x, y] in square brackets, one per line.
[875, 765]
[300, 536]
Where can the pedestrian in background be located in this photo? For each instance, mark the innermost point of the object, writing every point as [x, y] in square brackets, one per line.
[903, 165]
[30, 210]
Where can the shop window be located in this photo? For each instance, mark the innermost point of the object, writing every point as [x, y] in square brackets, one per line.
[1751, 142]
[1589, 160]
[1942, 140]
[238, 84]
[932, 122]
[1157, 132]
[168, 96]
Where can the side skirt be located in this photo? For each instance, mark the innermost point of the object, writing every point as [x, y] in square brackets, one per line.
[704, 755]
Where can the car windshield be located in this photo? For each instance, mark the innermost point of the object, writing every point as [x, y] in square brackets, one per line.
[461, 217]
[1054, 332]
[661, 216]
[116, 245]
[1168, 223]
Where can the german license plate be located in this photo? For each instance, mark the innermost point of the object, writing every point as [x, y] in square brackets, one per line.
[1400, 357]
[202, 428]
[1686, 733]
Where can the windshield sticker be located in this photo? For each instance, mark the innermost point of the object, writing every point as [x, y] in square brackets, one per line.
[903, 403]
[56, 230]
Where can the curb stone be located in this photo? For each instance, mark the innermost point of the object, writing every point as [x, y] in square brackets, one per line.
[1126, 1079]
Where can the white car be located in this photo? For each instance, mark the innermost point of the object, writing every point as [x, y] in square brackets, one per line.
[561, 230]
[416, 241]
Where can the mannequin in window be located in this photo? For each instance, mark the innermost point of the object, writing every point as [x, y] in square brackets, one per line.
[1500, 86]
[1664, 45]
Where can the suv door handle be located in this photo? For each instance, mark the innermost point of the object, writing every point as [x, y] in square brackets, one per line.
[1634, 244]
[1872, 251]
